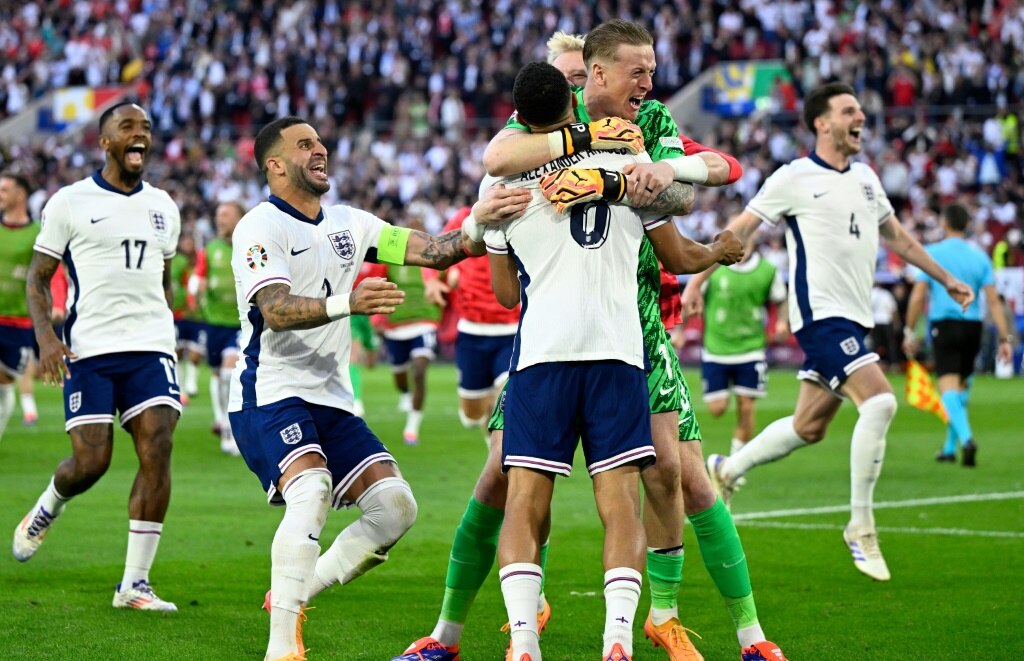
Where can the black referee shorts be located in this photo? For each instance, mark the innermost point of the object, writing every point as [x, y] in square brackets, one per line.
[955, 344]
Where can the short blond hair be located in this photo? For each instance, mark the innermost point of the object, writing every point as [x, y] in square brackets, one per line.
[603, 41]
[561, 43]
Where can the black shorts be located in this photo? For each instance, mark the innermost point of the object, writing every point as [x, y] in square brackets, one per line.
[956, 345]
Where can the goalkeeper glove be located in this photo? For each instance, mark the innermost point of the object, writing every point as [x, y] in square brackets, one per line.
[609, 133]
[571, 186]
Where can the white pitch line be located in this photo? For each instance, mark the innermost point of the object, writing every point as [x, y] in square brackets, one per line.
[955, 532]
[892, 504]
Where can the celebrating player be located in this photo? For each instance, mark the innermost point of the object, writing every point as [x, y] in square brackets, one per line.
[956, 332]
[733, 359]
[593, 369]
[291, 403]
[116, 234]
[217, 301]
[835, 209]
[620, 59]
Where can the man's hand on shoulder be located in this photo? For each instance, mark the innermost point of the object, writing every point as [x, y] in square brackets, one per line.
[572, 186]
[500, 204]
[646, 182]
[375, 296]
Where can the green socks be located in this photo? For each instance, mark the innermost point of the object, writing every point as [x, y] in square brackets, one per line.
[723, 556]
[664, 573]
[355, 372]
[473, 552]
[543, 564]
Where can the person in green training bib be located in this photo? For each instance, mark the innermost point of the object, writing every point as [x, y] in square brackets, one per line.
[619, 56]
[410, 335]
[221, 328]
[733, 359]
[17, 341]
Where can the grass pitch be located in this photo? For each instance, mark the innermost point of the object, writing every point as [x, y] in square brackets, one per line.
[953, 538]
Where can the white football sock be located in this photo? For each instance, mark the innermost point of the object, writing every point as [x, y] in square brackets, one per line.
[736, 446]
[51, 500]
[389, 510]
[621, 596]
[224, 395]
[412, 422]
[189, 371]
[6, 405]
[520, 586]
[774, 442]
[143, 540]
[447, 633]
[867, 450]
[28, 405]
[293, 555]
[750, 635]
[218, 410]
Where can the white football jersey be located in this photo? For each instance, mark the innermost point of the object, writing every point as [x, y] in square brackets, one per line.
[113, 245]
[316, 258]
[832, 220]
[577, 271]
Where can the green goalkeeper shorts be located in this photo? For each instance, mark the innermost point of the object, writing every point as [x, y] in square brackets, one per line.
[497, 421]
[669, 391]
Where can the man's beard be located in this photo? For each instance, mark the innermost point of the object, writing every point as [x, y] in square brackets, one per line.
[302, 181]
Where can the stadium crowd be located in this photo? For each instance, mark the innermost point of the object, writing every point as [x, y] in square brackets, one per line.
[406, 94]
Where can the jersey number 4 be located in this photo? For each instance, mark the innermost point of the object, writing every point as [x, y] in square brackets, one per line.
[854, 230]
[588, 224]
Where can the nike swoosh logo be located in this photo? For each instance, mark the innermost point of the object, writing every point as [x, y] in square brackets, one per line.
[817, 195]
[299, 252]
[730, 566]
[96, 220]
[310, 535]
[173, 391]
[665, 391]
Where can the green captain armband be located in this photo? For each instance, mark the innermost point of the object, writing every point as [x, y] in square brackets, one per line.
[391, 245]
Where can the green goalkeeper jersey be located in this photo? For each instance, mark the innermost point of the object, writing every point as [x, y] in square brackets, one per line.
[661, 138]
[219, 305]
[415, 307]
[16, 244]
[179, 284]
[734, 303]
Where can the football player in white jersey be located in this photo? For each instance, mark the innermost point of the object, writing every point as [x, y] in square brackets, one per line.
[295, 263]
[835, 209]
[116, 235]
[584, 378]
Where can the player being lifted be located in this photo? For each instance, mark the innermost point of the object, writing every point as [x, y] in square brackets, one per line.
[578, 266]
[835, 210]
[116, 235]
[295, 263]
[619, 56]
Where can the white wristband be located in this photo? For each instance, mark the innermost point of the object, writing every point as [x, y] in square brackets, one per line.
[474, 231]
[338, 306]
[691, 169]
[556, 145]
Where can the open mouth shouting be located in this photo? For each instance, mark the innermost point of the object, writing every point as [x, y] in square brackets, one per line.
[635, 101]
[135, 154]
[318, 168]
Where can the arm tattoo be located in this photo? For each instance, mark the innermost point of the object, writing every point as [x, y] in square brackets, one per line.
[440, 252]
[677, 200]
[286, 312]
[37, 291]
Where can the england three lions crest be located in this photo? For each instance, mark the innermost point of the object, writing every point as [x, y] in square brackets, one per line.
[343, 244]
[869, 192]
[158, 221]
